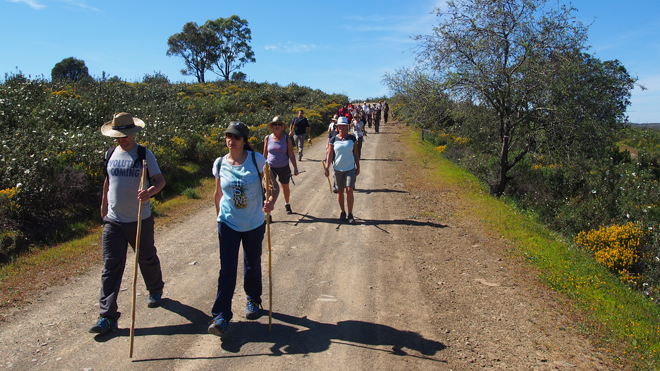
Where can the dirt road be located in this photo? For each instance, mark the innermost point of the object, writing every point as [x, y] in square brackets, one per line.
[396, 291]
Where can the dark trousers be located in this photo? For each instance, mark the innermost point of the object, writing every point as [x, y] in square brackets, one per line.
[116, 238]
[360, 140]
[230, 241]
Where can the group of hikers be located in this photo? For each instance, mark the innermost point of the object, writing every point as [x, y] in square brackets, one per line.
[240, 202]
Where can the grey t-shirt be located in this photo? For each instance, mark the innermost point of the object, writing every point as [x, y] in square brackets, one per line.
[124, 182]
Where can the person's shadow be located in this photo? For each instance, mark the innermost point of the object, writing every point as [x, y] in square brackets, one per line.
[317, 336]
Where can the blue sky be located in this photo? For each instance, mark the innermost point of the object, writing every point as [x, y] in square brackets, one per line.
[338, 47]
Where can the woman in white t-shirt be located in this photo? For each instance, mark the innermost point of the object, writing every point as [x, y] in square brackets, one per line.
[360, 133]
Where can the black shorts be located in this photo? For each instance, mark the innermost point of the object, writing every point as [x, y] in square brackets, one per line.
[283, 174]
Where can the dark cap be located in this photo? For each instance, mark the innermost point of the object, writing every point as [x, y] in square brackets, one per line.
[238, 128]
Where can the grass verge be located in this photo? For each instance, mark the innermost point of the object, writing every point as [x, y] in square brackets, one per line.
[619, 320]
[33, 271]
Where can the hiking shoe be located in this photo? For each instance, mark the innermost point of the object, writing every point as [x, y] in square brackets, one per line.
[252, 309]
[342, 216]
[154, 300]
[218, 326]
[351, 219]
[288, 209]
[104, 325]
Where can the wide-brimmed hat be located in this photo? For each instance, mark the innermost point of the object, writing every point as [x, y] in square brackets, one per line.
[238, 128]
[275, 119]
[122, 125]
[342, 121]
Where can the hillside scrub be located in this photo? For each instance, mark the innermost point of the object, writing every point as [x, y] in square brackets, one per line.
[52, 149]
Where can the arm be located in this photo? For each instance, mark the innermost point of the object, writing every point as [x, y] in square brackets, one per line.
[217, 195]
[104, 201]
[266, 146]
[357, 159]
[329, 157]
[154, 189]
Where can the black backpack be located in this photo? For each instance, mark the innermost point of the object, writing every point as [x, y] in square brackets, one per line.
[142, 155]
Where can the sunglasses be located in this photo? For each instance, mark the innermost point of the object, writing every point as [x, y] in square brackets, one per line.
[278, 124]
[233, 136]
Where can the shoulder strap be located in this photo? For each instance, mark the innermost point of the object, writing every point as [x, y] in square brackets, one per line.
[142, 155]
[108, 154]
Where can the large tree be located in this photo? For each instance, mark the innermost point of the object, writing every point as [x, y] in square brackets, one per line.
[195, 45]
[523, 60]
[232, 49]
[70, 69]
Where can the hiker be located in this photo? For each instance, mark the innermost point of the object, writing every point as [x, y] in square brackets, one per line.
[359, 132]
[343, 154]
[299, 126]
[278, 150]
[369, 112]
[119, 209]
[375, 117]
[386, 112]
[240, 206]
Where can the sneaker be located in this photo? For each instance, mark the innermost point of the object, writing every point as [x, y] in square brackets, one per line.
[104, 325]
[218, 326]
[154, 300]
[351, 219]
[342, 216]
[252, 309]
[288, 209]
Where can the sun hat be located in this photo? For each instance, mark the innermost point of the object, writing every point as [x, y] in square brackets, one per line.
[275, 120]
[238, 128]
[342, 121]
[122, 125]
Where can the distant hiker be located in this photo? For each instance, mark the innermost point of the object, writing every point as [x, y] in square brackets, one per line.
[375, 117]
[386, 112]
[299, 127]
[278, 151]
[369, 112]
[119, 209]
[359, 132]
[240, 206]
[343, 154]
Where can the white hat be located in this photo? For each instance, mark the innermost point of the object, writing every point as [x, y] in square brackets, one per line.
[342, 121]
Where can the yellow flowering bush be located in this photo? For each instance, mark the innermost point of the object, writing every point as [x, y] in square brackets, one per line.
[7, 197]
[440, 149]
[616, 247]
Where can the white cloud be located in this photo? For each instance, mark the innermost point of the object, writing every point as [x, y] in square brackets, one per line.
[33, 4]
[291, 47]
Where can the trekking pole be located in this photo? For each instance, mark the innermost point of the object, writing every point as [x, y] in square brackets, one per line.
[325, 171]
[137, 256]
[270, 266]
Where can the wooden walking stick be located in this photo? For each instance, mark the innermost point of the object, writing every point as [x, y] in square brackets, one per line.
[137, 257]
[325, 171]
[270, 266]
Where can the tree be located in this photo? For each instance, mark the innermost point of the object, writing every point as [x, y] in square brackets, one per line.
[513, 56]
[70, 69]
[231, 49]
[195, 45]
[238, 76]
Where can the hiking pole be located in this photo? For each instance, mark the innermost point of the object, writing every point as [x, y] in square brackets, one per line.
[137, 257]
[270, 266]
[325, 171]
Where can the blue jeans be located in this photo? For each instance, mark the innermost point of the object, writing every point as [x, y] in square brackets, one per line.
[230, 241]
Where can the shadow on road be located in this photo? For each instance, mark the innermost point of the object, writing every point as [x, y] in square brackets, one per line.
[382, 190]
[300, 335]
[198, 323]
[309, 219]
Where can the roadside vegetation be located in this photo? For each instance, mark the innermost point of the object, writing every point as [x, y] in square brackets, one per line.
[52, 151]
[621, 321]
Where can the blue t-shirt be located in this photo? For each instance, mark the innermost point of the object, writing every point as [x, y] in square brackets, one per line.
[343, 149]
[241, 205]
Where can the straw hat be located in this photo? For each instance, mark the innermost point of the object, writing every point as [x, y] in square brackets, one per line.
[275, 119]
[122, 125]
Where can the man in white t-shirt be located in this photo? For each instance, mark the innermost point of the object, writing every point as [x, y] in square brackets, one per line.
[119, 210]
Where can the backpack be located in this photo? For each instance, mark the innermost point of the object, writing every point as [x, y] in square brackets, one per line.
[142, 155]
